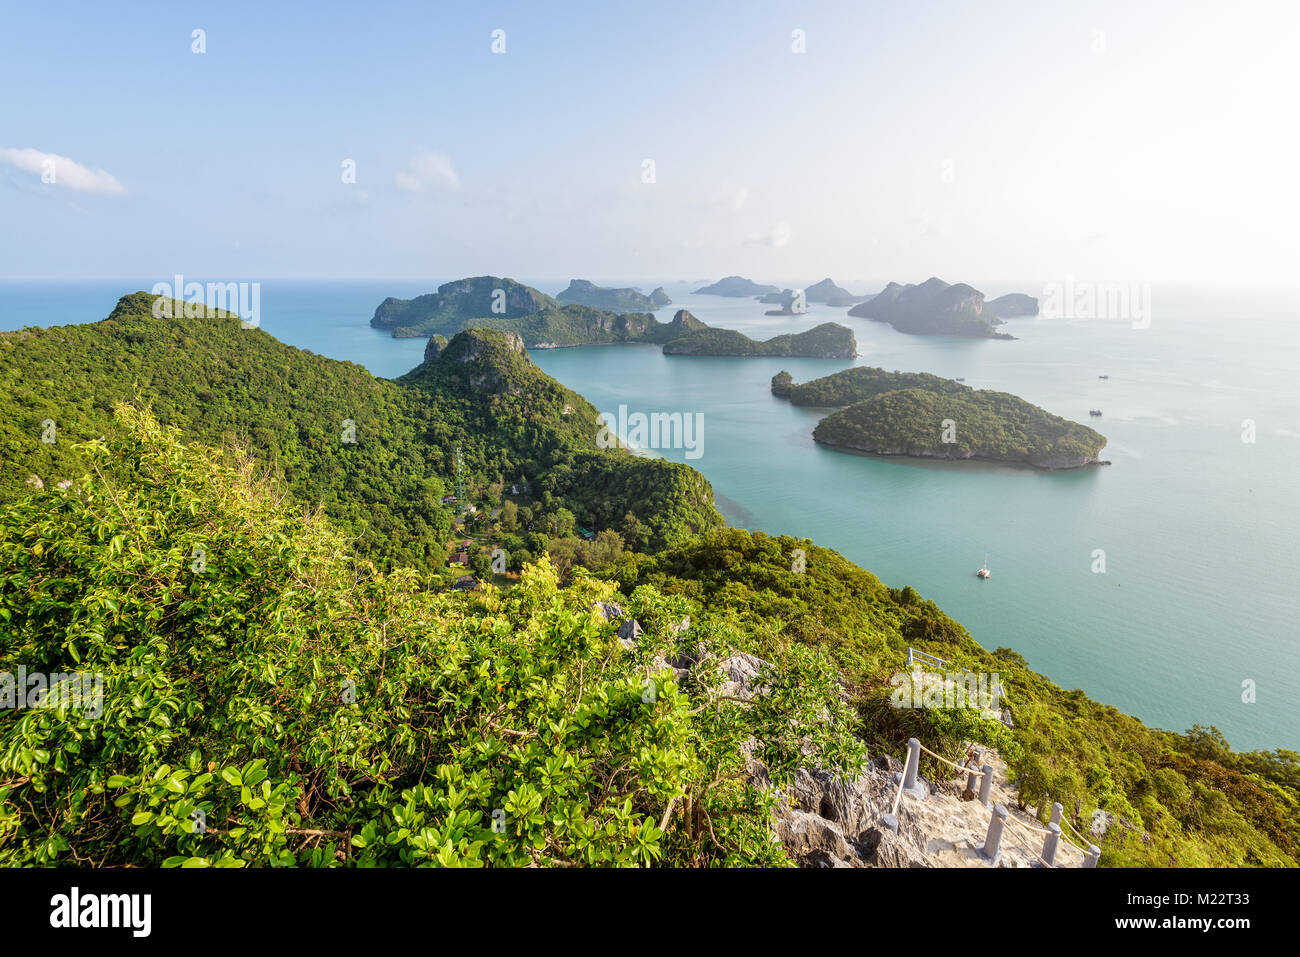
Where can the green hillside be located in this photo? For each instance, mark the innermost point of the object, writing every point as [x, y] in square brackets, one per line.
[319, 710]
[216, 380]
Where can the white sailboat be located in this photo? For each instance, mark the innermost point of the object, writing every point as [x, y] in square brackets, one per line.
[984, 569]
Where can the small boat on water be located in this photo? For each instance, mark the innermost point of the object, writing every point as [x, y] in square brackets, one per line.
[1103, 377]
[984, 569]
[1094, 411]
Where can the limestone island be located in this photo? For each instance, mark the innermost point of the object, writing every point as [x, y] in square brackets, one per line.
[785, 299]
[832, 295]
[830, 340]
[585, 293]
[736, 287]
[938, 308]
[824, 292]
[925, 416]
[1012, 305]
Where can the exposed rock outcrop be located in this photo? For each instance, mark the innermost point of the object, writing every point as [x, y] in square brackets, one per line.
[433, 348]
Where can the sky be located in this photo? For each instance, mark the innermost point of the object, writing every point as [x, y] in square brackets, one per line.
[1141, 142]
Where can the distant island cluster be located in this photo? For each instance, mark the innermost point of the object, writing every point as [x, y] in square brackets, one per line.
[588, 314]
[932, 308]
[570, 319]
[882, 413]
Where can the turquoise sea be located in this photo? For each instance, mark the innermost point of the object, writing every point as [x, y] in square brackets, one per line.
[1200, 530]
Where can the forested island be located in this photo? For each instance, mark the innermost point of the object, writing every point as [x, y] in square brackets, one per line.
[830, 340]
[249, 544]
[853, 385]
[937, 308]
[1012, 304]
[736, 287]
[926, 416]
[832, 295]
[585, 293]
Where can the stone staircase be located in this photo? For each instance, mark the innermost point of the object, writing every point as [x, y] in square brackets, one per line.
[825, 823]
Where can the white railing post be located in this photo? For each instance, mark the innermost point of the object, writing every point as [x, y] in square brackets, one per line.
[1056, 813]
[1050, 842]
[992, 850]
[1094, 852]
[913, 763]
[986, 785]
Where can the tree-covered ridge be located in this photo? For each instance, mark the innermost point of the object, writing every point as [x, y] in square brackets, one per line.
[266, 698]
[487, 380]
[983, 424]
[1171, 799]
[830, 340]
[377, 454]
[574, 325]
[861, 382]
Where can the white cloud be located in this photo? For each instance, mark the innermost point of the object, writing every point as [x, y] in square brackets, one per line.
[777, 237]
[734, 197]
[728, 196]
[59, 170]
[430, 170]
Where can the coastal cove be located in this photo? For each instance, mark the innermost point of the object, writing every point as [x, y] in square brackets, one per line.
[1199, 530]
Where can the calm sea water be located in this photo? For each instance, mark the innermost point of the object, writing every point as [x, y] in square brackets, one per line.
[1200, 530]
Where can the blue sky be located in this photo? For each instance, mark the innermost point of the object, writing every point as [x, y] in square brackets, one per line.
[990, 140]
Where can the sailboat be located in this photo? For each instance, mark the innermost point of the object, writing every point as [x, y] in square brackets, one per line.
[984, 569]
